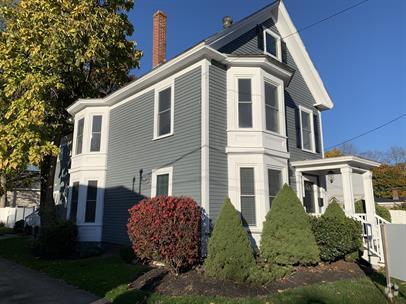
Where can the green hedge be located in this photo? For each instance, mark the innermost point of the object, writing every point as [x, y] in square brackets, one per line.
[287, 237]
[230, 254]
[336, 235]
[381, 211]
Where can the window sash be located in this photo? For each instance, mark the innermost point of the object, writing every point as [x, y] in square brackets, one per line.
[162, 184]
[274, 184]
[244, 103]
[307, 131]
[271, 108]
[91, 202]
[79, 136]
[164, 111]
[74, 202]
[96, 133]
[247, 196]
[271, 44]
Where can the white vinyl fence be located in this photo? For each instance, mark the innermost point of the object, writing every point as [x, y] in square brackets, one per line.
[9, 216]
[398, 216]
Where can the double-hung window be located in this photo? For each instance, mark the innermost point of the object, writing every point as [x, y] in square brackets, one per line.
[162, 182]
[274, 184]
[91, 202]
[271, 107]
[272, 44]
[244, 103]
[307, 129]
[79, 136]
[96, 133]
[164, 113]
[74, 201]
[247, 196]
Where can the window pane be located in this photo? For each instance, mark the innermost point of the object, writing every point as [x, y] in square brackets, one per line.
[272, 119]
[270, 44]
[248, 210]
[305, 120]
[244, 89]
[91, 200]
[165, 100]
[74, 202]
[247, 181]
[271, 96]
[95, 142]
[307, 140]
[245, 115]
[164, 123]
[274, 181]
[97, 123]
[162, 184]
[79, 136]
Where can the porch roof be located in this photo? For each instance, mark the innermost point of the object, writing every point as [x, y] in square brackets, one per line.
[334, 164]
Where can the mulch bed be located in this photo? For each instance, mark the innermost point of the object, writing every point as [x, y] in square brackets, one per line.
[195, 283]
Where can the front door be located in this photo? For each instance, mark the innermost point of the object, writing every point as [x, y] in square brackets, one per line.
[308, 199]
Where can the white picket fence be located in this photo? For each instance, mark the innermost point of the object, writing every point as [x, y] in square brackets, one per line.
[9, 215]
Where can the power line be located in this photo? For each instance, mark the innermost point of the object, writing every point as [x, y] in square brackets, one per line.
[368, 132]
[327, 18]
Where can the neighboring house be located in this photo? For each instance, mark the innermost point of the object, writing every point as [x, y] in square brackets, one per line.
[236, 115]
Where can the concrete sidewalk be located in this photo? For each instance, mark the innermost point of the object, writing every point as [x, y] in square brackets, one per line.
[19, 284]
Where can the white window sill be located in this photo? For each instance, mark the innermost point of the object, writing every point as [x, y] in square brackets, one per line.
[273, 56]
[309, 151]
[274, 134]
[163, 136]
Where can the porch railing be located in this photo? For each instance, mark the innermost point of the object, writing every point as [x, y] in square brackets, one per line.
[371, 234]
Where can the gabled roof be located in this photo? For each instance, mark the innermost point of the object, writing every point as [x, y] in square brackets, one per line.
[208, 49]
[277, 11]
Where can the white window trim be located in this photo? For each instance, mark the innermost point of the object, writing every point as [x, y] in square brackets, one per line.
[161, 171]
[159, 89]
[312, 142]
[278, 44]
[251, 78]
[91, 131]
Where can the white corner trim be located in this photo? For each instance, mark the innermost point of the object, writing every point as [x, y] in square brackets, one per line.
[302, 59]
[205, 141]
[163, 86]
[278, 44]
[321, 134]
[161, 171]
[313, 144]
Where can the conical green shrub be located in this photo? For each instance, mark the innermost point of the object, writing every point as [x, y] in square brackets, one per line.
[230, 255]
[287, 237]
[334, 211]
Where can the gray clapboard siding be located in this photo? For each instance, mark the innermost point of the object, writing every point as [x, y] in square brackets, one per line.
[131, 148]
[218, 183]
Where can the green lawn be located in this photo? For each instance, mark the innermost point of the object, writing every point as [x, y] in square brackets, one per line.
[5, 230]
[108, 277]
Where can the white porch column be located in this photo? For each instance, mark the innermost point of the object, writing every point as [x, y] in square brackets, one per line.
[299, 184]
[369, 196]
[348, 194]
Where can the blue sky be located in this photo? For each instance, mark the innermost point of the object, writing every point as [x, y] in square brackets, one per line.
[360, 55]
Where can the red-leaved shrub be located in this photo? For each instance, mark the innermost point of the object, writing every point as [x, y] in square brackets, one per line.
[166, 229]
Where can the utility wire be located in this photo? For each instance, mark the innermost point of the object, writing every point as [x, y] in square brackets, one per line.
[327, 18]
[368, 132]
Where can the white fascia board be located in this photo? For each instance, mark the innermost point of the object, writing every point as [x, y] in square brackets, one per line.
[350, 160]
[302, 59]
[174, 65]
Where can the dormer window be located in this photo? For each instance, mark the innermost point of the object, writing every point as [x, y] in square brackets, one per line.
[272, 44]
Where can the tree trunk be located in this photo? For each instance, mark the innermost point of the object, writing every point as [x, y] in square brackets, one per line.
[47, 203]
[3, 191]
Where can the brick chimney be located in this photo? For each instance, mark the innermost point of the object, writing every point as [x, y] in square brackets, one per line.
[159, 39]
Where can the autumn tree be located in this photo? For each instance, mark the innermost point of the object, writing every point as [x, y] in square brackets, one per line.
[333, 153]
[53, 52]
